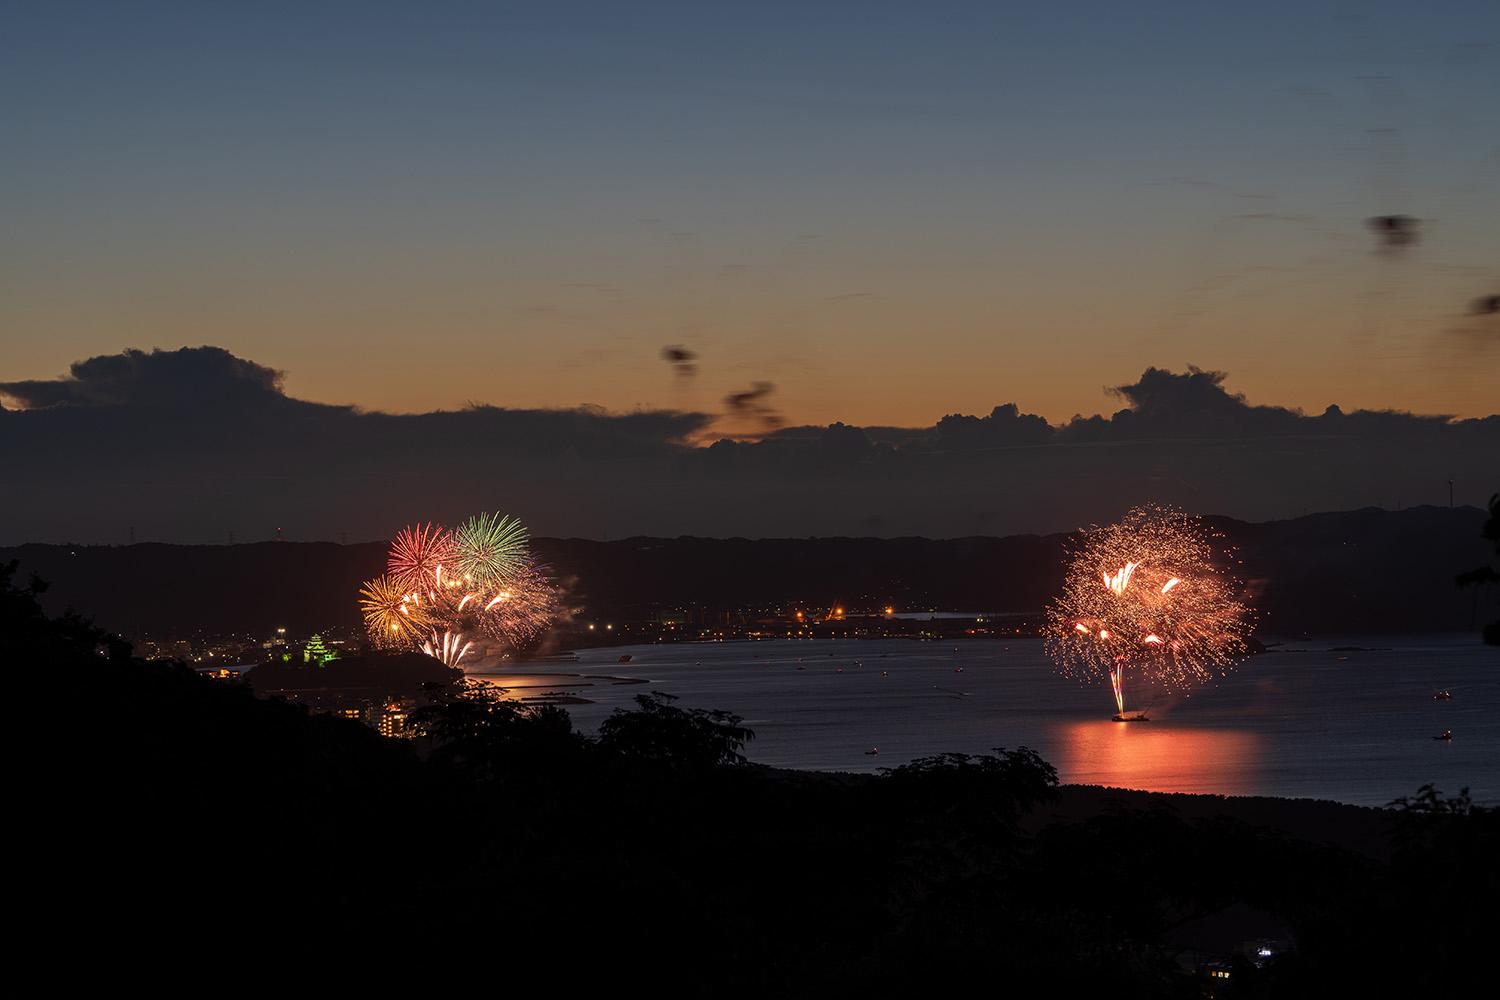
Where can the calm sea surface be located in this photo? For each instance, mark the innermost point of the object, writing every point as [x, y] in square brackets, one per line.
[1304, 720]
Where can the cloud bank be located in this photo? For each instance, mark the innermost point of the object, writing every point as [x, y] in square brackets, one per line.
[196, 445]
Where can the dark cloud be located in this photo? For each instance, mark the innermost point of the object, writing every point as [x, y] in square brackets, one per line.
[190, 445]
[682, 360]
[840, 445]
[1395, 232]
[750, 406]
[1165, 405]
[741, 401]
[185, 376]
[1468, 349]
[877, 434]
[137, 389]
[1006, 425]
[1193, 404]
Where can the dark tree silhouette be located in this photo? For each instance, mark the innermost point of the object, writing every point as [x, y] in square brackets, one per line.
[660, 731]
[1005, 785]
[1430, 801]
[474, 726]
[1483, 575]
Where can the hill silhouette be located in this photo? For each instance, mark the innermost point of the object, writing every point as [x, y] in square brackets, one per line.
[1368, 570]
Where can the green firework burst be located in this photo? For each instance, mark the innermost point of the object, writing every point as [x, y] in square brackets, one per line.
[489, 549]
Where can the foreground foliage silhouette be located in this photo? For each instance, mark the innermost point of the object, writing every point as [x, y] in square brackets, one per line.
[659, 731]
[1487, 576]
[179, 808]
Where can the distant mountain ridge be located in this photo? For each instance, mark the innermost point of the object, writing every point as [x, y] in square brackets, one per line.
[1367, 570]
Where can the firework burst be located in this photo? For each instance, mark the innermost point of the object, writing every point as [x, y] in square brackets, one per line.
[416, 553]
[393, 615]
[489, 549]
[445, 588]
[1145, 595]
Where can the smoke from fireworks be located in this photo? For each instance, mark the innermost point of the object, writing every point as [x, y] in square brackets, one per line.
[522, 609]
[1144, 597]
[444, 588]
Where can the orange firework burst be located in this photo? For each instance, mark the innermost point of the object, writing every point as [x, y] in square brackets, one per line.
[1146, 594]
[394, 616]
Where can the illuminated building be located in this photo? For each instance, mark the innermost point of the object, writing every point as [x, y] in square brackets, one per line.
[316, 652]
[392, 721]
[223, 673]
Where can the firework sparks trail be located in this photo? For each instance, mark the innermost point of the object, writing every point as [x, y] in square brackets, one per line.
[450, 648]
[1117, 582]
[1145, 593]
[443, 587]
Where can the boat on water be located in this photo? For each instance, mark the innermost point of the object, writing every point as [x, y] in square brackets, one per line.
[1136, 716]
[1443, 695]
[1446, 736]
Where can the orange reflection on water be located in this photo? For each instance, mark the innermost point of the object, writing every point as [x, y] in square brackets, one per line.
[519, 686]
[1159, 757]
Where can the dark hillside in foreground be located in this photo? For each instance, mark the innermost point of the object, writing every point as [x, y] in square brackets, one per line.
[652, 856]
[1356, 571]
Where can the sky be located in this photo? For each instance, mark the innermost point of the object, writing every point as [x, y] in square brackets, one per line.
[885, 212]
